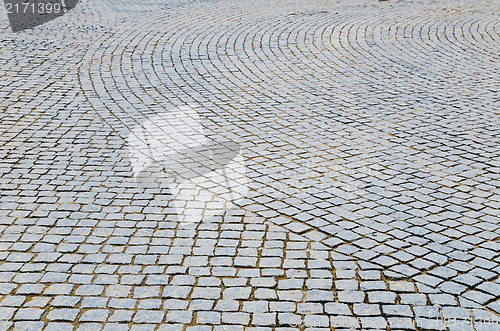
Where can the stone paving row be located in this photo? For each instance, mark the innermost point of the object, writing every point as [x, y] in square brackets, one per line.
[368, 157]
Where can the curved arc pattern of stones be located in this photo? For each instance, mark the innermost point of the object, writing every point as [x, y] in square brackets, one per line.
[251, 73]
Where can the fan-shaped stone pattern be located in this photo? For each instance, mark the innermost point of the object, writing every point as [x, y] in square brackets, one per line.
[369, 129]
[373, 124]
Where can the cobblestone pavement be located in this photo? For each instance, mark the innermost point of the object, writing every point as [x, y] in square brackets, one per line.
[358, 186]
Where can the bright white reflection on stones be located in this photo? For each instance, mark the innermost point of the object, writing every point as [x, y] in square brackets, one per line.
[204, 172]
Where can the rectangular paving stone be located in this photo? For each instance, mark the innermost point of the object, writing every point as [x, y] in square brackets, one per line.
[208, 317]
[63, 315]
[28, 314]
[148, 316]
